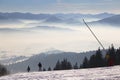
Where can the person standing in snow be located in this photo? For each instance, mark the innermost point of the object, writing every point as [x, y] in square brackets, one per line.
[28, 69]
[40, 66]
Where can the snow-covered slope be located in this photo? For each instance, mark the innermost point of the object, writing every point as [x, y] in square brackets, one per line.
[105, 73]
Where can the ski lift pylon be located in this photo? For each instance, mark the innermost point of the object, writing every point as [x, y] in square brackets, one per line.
[94, 35]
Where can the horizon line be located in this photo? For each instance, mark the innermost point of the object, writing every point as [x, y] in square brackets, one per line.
[60, 13]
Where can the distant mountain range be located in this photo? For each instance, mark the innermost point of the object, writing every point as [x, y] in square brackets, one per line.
[49, 59]
[113, 21]
[71, 15]
[17, 15]
[51, 18]
[104, 18]
[69, 19]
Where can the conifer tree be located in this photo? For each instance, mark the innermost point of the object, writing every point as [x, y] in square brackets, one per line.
[85, 63]
[63, 65]
[57, 66]
[75, 66]
[92, 62]
[99, 59]
[49, 69]
[3, 70]
[111, 52]
[69, 66]
[117, 58]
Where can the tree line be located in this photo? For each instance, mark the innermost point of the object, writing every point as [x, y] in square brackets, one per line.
[111, 58]
[3, 70]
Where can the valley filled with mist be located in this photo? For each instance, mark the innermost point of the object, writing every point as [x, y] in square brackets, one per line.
[26, 34]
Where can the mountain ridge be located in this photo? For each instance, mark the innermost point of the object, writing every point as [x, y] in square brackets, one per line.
[19, 15]
[113, 21]
[49, 60]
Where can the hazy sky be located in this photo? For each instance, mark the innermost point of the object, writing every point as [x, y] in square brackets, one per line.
[60, 6]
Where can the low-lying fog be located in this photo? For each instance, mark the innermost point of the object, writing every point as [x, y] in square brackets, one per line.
[33, 37]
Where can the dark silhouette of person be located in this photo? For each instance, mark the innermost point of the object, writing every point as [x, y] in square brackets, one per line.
[40, 66]
[28, 69]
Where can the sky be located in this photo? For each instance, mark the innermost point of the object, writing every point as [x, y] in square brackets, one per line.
[60, 6]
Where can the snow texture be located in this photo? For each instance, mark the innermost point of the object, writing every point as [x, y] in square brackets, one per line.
[105, 73]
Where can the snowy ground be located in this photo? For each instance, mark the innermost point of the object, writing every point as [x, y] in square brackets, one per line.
[107, 73]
